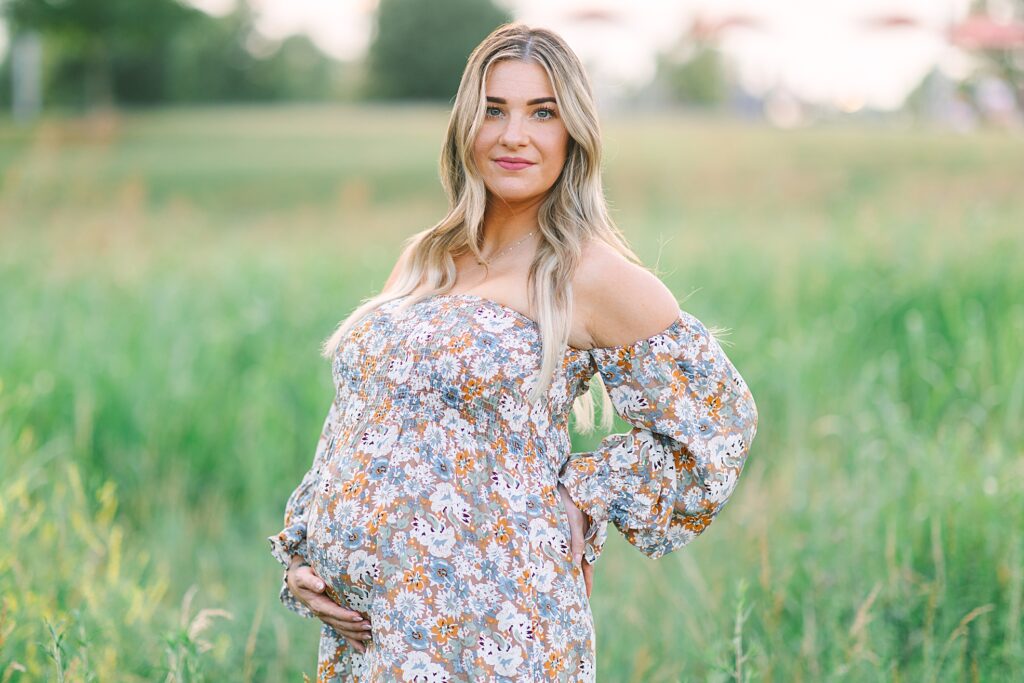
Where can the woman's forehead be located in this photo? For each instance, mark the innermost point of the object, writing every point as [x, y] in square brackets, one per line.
[514, 81]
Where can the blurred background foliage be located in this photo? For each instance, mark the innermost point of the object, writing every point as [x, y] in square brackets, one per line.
[103, 53]
[98, 54]
[166, 278]
[405, 59]
[168, 270]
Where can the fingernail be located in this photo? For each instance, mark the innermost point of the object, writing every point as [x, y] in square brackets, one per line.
[319, 585]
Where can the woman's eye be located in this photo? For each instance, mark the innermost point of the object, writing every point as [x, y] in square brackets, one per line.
[550, 113]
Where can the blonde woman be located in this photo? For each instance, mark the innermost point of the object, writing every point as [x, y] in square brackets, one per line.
[444, 531]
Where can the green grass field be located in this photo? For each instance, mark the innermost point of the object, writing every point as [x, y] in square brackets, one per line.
[166, 278]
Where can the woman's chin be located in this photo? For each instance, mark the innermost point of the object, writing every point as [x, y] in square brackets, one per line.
[517, 195]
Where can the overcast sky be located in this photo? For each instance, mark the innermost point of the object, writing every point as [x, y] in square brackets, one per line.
[821, 50]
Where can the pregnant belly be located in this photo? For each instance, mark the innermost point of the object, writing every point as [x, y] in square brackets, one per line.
[390, 517]
[341, 537]
[345, 515]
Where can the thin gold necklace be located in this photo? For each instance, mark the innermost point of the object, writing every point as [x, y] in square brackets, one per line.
[504, 251]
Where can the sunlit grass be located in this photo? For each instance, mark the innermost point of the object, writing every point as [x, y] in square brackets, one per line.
[165, 280]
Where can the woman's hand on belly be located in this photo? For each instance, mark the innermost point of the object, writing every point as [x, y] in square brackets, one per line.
[310, 590]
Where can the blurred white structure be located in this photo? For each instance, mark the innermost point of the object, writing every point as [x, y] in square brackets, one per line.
[26, 77]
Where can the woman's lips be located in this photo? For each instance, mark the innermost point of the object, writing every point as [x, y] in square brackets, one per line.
[513, 165]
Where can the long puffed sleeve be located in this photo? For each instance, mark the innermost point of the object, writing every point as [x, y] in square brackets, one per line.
[693, 420]
[292, 538]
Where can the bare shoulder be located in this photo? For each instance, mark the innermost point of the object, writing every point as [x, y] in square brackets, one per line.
[620, 301]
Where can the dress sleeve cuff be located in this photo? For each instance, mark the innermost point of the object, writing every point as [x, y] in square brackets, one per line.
[586, 496]
[291, 541]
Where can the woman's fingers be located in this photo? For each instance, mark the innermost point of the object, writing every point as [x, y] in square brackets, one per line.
[326, 609]
[355, 632]
[575, 525]
[307, 580]
[578, 522]
[356, 645]
[309, 586]
[309, 589]
[358, 632]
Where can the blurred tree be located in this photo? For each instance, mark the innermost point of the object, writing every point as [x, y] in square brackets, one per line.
[225, 59]
[696, 79]
[96, 37]
[99, 53]
[420, 47]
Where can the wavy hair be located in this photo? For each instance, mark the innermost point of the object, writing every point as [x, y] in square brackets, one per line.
[573, 212]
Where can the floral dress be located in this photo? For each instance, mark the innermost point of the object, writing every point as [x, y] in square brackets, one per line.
[432, 506]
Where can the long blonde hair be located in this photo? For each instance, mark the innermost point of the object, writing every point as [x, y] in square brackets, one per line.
[573, 212]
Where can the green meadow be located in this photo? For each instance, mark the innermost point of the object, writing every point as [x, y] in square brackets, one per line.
[167, 276]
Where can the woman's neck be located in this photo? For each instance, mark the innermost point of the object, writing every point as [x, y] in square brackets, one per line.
[504, 225]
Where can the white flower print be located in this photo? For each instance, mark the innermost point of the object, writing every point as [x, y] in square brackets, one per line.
[725, 450]
[399, 369]
[418, 668]
[446, 365]
[544, 576]
[514, 622]
[513, 412]
[719, 489]
[439, 539]
[409, 603]
[486, 367]
[445, 501]
[622, 455]
[629, 401]
[499, 555]
[494, 321]
[504, 658]
[379, 439]
[363, 567]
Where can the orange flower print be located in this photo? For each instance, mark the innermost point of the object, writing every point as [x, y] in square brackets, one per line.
[377, 520]
[444, 629]
[416, 578]
[714, 404]
[696, 522]
[355, 485]
[463, 463]
[554, 664]
[502, 531]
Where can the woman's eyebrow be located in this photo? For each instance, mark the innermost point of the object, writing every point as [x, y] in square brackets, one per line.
[502, 100]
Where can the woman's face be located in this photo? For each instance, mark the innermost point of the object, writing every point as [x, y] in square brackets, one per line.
[522, 121]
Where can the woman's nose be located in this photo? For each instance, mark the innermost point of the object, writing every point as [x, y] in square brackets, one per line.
[514, 134]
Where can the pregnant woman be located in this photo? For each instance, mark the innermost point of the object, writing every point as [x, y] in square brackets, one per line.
[434, 533]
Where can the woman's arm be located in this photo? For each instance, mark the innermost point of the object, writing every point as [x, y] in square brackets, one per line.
[691, 414]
